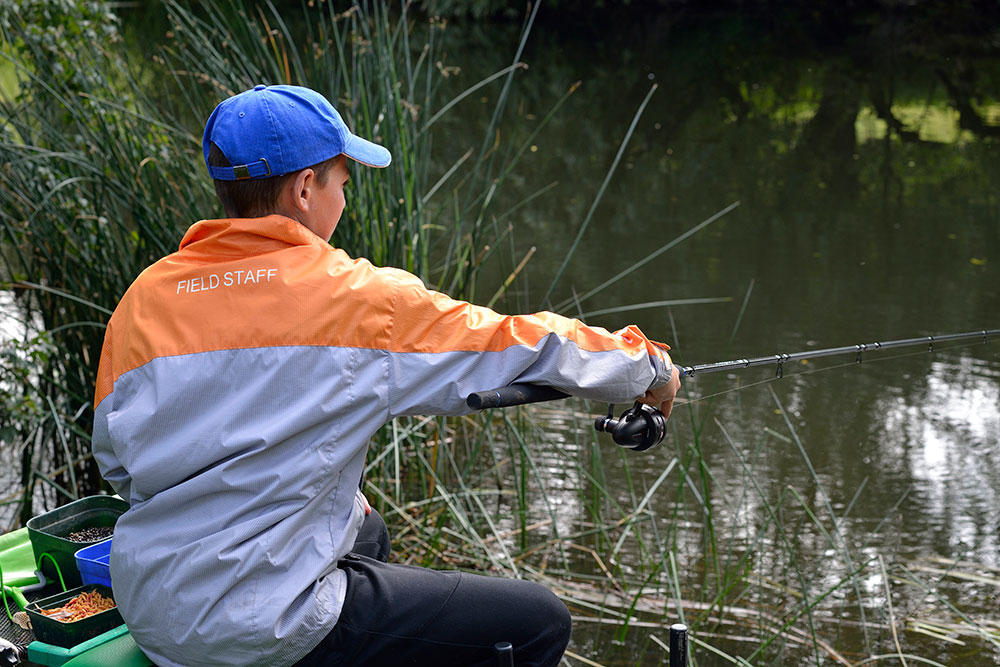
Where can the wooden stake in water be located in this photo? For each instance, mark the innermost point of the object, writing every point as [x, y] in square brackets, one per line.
[505, 654]
[678, 645]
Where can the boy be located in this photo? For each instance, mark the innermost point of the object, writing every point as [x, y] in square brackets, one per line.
[240, 382]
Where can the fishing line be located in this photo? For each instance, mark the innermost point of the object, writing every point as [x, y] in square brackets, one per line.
[811, 371]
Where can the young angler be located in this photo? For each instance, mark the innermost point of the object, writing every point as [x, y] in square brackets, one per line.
[240, 382]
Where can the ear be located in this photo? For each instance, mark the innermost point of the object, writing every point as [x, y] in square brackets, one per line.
[298, 192]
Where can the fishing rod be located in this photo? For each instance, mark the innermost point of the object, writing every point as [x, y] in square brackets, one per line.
[642, 426]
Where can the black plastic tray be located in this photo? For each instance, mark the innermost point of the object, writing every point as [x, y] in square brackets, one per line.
[68, 635]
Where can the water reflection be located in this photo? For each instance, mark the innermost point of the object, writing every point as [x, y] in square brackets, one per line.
[948, 445]
[11, 326]
[11, 322]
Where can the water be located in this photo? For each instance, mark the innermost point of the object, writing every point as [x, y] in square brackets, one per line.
[13, 330]
[845, 234]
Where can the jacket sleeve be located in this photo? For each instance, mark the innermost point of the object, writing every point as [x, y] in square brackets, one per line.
[442, 349]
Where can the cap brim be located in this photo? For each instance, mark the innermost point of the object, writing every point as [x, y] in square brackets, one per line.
[366, 152]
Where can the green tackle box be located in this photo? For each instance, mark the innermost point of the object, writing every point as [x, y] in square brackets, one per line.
[49, 533]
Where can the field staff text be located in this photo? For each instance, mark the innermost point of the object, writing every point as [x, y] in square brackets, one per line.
[227, 279]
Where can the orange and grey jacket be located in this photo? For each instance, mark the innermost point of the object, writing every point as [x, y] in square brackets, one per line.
[240, 382]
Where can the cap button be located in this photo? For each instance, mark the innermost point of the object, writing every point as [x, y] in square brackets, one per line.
[259, 86]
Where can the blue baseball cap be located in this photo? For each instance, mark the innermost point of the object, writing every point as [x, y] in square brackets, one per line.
[276, 130]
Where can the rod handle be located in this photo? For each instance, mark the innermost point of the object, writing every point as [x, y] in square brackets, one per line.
[518, 393]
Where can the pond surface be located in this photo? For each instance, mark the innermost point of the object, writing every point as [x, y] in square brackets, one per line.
[868, 211]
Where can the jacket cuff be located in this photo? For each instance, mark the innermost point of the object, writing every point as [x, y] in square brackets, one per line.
[659, 359]
[664, 365]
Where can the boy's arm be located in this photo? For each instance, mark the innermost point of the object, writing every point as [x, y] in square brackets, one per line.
[442, 349]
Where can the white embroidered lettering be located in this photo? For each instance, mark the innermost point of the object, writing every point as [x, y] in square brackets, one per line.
[237, 278]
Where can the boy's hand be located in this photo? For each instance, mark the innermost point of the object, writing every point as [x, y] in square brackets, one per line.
[364, 502]
[663, 397]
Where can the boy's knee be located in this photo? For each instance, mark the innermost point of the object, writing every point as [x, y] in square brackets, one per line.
[562, 624]
[552, 628]
[555, 610]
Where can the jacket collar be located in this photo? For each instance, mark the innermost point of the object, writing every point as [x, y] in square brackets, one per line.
[243, 235]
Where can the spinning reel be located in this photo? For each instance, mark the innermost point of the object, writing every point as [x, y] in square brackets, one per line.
[639, 428]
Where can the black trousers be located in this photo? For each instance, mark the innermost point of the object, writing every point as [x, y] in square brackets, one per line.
[404, 615]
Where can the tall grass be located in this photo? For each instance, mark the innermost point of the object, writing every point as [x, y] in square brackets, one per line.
[100, 173]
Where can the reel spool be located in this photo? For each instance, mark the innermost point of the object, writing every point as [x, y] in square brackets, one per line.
[639, 428]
